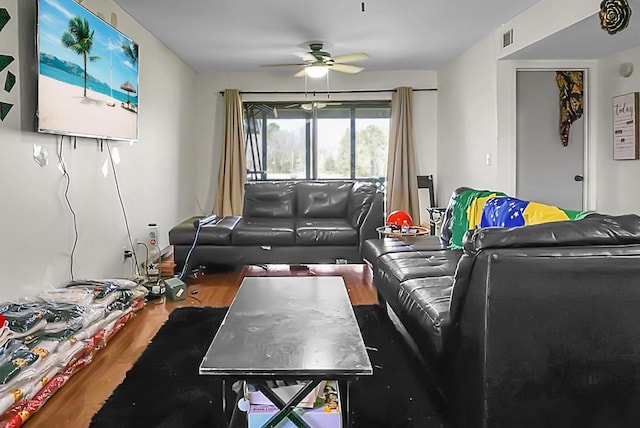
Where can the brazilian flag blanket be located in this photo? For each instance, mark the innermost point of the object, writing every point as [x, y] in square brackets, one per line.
[472, 209]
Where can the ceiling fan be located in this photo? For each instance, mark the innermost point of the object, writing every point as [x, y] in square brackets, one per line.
[311, 105]
[317, 62]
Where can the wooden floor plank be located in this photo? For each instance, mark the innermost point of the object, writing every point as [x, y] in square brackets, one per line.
[83, 395]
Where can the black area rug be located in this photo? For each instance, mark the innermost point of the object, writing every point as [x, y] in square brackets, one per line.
[163, 388]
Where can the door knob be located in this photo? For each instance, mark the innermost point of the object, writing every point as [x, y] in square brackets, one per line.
[578, 178]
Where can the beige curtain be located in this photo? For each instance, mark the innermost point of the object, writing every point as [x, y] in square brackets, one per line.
[233, 171]
[402, 180]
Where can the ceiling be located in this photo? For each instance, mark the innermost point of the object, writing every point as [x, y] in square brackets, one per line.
[585, 40]
[240, 35]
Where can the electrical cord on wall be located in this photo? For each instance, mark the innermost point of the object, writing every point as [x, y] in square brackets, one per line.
[124, 211]
[186, 260]
[66, 175]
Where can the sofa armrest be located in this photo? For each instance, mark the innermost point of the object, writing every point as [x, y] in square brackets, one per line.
[372, 220]
[558, 324]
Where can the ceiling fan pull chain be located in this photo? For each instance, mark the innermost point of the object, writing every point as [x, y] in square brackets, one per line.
[328, 93]
[305, 85]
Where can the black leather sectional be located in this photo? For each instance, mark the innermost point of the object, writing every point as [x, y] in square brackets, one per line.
[292, 222]
[536, 326]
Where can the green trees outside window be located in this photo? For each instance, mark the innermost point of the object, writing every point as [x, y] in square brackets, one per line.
[342, 140]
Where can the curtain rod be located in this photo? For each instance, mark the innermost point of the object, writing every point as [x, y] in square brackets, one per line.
[314, 93]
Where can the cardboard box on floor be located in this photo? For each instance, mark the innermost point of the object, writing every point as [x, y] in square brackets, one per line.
[322, 407]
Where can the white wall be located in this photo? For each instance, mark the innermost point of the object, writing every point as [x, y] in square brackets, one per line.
[154, 175]
[210, 112]
[467, 112]
[476, 103]
[617, 179]
[605, 179]
[543, 19]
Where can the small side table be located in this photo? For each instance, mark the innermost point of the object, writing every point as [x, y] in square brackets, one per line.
[396, 233]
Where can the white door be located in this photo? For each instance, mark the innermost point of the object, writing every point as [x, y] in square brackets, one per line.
[546, 170]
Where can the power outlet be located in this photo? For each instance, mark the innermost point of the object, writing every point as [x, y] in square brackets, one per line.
[126, 254]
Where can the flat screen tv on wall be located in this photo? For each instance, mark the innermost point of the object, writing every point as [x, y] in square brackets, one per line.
[87, 74]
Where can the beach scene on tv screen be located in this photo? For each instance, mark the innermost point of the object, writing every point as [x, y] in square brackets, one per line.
[88, 74]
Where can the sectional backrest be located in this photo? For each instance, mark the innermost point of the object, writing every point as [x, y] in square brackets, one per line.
[269, 199]
[361, 204]
[351, 200]
[469, 209]
[591, 233]
[318, 199]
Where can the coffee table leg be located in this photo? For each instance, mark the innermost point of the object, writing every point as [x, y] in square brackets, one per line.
[286, 409]
[345, 404]
[224, 403]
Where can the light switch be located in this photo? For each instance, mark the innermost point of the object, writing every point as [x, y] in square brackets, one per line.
[487, 159]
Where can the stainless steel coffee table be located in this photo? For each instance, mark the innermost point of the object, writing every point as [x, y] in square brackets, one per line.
[289, 328]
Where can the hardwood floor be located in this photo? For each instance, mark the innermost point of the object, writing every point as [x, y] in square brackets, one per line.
[83, 395]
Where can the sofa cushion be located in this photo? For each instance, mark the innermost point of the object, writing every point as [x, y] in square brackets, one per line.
[264, 232]
[426, 302]
[268, 199]
[374, 248]
[325, 231]
[322, 199]
[420, 264]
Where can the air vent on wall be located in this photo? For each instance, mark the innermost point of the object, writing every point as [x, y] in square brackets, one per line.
[507, 38]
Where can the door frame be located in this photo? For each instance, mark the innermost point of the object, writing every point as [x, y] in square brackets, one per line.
[507, 120]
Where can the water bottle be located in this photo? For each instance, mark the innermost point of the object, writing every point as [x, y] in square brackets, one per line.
[405, 227]
[154, 256]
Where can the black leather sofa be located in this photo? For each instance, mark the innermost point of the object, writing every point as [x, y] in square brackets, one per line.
[535, 326]
[292, 222]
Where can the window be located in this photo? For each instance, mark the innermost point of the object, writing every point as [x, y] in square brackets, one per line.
[332, 140]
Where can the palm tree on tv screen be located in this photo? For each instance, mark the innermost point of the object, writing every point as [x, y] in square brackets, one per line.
[79, 39]
[130, 50]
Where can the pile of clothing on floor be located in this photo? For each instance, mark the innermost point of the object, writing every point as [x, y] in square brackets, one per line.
[45, 339]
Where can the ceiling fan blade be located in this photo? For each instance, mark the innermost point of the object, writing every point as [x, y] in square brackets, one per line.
[350, 58]
[299, 73]
[344, 68]
[316, 104]
[283, 65]
[308, 57]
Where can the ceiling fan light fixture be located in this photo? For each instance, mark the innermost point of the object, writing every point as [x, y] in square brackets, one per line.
[309, 106]
[316, 71]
